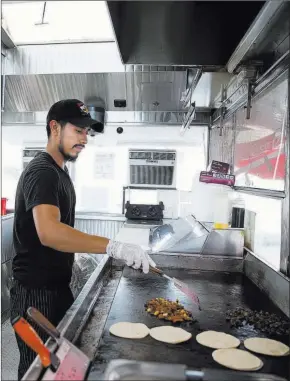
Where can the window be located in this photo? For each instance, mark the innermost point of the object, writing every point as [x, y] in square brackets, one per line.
[57, 22]
[259, 144]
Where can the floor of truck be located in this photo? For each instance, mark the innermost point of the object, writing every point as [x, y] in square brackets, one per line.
[9, 352]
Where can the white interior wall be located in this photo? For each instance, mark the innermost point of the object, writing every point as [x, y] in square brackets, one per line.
[105, 195]
[264, 227]
[14, 139]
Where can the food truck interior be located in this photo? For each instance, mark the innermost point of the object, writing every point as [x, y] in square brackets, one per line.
[191, 162]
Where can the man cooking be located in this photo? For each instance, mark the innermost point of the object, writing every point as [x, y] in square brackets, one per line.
[44, 236]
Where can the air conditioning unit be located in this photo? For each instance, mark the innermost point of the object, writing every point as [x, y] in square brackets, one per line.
[152, 168]
[29, 153]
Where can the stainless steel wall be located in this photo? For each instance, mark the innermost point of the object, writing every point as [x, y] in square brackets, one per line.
[104, 228]
[7, 249]
[7, 253]
[273, 283]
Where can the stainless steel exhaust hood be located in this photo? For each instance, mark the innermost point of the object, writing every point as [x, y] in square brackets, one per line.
[195, 33]
[144, 90]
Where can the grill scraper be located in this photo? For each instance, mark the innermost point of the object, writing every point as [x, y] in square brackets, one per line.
[183, 287]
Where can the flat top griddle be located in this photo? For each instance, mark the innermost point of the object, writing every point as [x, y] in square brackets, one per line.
[218, 292]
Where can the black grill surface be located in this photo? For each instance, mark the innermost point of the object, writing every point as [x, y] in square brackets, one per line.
[217, 292]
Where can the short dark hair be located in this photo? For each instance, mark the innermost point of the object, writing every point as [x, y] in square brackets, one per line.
[48, 130]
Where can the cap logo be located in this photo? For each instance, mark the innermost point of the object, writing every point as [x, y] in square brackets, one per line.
[84, 109]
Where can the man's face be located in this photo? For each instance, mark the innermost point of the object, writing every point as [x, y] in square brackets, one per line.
[71, 141]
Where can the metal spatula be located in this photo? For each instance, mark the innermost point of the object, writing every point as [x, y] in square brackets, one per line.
[183, 287]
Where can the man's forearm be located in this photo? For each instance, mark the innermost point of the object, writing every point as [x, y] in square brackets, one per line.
[64, 238]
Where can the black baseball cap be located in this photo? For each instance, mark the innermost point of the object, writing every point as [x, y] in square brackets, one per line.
[75, 112]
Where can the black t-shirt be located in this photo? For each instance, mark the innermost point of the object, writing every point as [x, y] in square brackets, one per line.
[42, 182]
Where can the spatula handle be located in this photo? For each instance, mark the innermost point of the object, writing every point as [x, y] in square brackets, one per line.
[31, 338]
[43, 322]
[155, 270]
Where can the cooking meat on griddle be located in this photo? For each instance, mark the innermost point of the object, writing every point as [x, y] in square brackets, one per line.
[264, 321]
[164, 309]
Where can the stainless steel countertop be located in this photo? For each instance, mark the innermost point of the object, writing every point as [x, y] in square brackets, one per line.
[100, 216]
[92, 216]
[7, 216]
[87, 216]
[107, 216]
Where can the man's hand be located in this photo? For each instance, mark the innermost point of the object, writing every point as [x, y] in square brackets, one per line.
[132, 255]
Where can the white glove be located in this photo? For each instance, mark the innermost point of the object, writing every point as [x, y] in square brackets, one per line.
[132, 255]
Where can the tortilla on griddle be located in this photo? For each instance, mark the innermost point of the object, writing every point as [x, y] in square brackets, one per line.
[217, 340]
[266, 346]
[237, 359]
[129, 330]
[170, 335]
